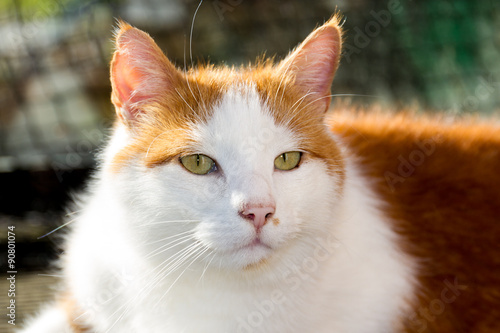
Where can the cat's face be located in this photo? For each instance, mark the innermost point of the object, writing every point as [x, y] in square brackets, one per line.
[224, 167]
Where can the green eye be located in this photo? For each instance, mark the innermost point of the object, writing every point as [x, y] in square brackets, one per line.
[198, 164]
[288, 161]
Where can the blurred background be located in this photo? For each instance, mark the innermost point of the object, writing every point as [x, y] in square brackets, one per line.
[54, 86]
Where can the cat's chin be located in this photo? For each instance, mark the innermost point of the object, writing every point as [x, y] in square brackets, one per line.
[251, 255]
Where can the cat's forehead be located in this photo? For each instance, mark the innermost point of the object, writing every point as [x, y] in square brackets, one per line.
[210, 111]
[243, 123]
[250, 112]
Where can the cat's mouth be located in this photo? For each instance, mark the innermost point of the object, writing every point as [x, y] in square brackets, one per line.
[255, 253]
[247, 254]
[252, 250]
[257, 242]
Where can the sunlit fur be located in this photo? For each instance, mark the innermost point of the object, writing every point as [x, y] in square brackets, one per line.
[166, 244]
[439, 184]
[156, 248]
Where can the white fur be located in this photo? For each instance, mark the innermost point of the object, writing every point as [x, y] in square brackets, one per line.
[52, 320]
[332, 264]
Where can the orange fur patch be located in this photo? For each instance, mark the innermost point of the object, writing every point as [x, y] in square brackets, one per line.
[68, 304]
[162, 130]
[156, 101]
[440, 184]
[300, 115]
[276, 221]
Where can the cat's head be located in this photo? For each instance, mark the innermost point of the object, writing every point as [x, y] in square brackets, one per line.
[221, 165]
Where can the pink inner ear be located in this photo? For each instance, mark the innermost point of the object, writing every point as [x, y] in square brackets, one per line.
[317, 60]
[140, 72]
[126, 79]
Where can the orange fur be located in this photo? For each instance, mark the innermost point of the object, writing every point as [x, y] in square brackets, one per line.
[160, 111]
[287, 106]
[68, 304]
[438, 179]
[166, 117]
[445, 206]
[163, 134]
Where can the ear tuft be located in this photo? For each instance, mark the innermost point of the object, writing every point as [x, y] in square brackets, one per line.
[121, 27]
[314, 62]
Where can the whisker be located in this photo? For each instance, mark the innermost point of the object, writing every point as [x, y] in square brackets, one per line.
[281, 81]
[300, 100]
[181, 258]
[150, 285]
[170, 237]
[175, 259]
[192, 94]
[191, 54]
[168, 246]
[51, 275]
[207, 265]
[156, 137]
[165, 222]
[182, 273]
[295, 106]
[191, 33]
[56, 229]
[313, 101]
[170, 267]
[189, 106]
[73, 213]
[353, 95]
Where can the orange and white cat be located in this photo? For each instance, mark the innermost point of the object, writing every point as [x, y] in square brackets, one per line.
[229, 200]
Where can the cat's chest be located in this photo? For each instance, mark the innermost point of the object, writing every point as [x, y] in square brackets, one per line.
[222, 308]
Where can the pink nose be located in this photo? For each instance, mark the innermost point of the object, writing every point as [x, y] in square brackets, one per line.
[258, 214]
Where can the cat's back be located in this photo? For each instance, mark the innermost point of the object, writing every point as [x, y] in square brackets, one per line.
[413, 151]
[438, 181]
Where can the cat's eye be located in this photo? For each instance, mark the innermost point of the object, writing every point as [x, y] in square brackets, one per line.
[198, 164]
[288, 160]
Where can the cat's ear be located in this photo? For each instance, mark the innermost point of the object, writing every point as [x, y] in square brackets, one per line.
[140, 72]
[314, 62]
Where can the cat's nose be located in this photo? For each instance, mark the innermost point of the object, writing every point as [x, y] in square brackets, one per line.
[258, 214]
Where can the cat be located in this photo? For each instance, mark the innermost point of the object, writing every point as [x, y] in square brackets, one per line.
[232, 200]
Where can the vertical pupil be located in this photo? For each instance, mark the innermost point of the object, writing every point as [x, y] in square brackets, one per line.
[198, 160]
[284, 157]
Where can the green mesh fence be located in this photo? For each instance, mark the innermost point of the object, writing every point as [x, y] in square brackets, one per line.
[454, 52]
